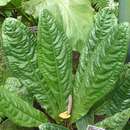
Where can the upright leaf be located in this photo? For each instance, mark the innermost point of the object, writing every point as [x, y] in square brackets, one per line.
[103, 24]
[18, 111]
[116, 122]
[119, 98]
[19, 48]
[54, 58]
[49, 126]
[100, 4]
[100, 66]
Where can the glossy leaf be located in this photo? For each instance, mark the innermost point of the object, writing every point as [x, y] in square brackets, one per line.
[19, 111]
[100, 65]
[119, 98]
[116, 122]
[103, 24]
[19, 48]
[54, 60]
[49, 126]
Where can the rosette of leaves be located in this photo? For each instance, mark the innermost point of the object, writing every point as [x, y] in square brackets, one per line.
[43, 65]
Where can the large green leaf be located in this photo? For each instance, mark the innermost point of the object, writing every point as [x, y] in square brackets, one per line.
[119, 98]
[70, 13]
[116, 122]
[49, 126]
[103, 24]
[100, 64]
[54, 58]
[19, 48]
[19, 111]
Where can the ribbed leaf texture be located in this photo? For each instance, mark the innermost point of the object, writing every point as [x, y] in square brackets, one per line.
[19, 47]
[54, 60]
[100, 64]
[18, 111]
[49, 126]
[119, 98]
[13, 85]
[116, 122]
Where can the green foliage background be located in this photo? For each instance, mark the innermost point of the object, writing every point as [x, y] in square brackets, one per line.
[31, 70]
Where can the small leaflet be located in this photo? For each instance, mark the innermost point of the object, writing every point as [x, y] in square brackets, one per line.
[91, 127]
